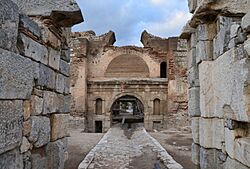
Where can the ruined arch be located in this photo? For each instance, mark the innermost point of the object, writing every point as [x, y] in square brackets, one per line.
[127, 65]
[129, 107]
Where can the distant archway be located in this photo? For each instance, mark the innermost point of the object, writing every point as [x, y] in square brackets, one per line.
[163, 70]
[128, 108]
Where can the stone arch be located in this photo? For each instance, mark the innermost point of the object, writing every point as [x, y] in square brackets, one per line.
[127, 65]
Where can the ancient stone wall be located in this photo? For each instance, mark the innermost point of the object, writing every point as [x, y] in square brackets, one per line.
[34, 82]
[218, 76]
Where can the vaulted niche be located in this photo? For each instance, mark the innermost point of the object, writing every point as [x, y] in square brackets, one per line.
[127, 109]
[127, 66]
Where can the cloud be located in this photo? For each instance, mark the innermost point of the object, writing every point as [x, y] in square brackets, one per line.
[128, 18]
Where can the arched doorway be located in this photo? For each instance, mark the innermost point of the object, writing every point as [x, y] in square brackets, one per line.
[127, 109]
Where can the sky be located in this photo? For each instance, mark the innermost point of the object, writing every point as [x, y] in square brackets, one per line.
[129, 18]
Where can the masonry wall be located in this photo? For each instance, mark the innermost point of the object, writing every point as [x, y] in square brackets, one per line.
[34, 84]
[218, 78]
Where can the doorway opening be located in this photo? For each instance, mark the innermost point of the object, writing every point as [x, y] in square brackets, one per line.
[163, 70]
[127, 109]
[98, 126]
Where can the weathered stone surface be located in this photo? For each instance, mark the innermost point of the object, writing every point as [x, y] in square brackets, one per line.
[30, 25]
[220, 96]
[39, 160]
[26, 128]
[9, 19]
[64, 68]
[47, 77]
[192, 4]
[54, 58]
[191, 58]
[196, 154]
[56, 9]
[11, 160]
[193, 77]
[50, 38]
[206, 32]
[56, 103]
[233, 164]
[25, 146]
[211, 159]
[65, 55]
[11, 113]
[211, 133]
[59, 125]
[37, 105]
[247, 47]
[204, 51]
[26, 109]
[55, 151]
[32, 49]
[195, 129]
[60, 83]
[15, 83]
[40, 131]
[237, 145]
[194, 102]
[246, 22]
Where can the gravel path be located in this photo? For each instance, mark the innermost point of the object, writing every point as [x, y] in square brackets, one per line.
[133, 148]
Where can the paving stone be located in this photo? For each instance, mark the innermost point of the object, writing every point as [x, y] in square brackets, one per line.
[40, 131]
[15, 83]
[32, 49]
[9, 19]
[11, 160]
[11, 121]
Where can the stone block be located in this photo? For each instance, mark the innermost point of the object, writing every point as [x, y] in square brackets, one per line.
[9, 19]
[196, 154]
[26, 128]
[56, 103]
[194, 102]
[32, 49]
[11, 121]
[212, 133]
[47, 77]
[245, 24]
[67, 86]
[193, 77]
[191, 58]
[50, 38]
[59, 126]
[11, 160]
[206, 32]
[204, 51]
[247, 47]
[192, 4]
[30, 25]
[55, 10]
[25, 146]
[65, 55]
[211, 159]
[233, 164]
[234, 30]
[238, 145]
[55, 151]
[54, 58]
[17, 76]
[40, 131]
[26, 109]
[36, 105]
[39, 160]
[64, 68]
[195, 129]
[193, 40]
[60, 83]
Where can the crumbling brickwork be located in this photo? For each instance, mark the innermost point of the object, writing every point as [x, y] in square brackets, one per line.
[102, 71]
[34, 82]
[218, 77]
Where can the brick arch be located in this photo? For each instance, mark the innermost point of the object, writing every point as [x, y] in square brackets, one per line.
[127, 65]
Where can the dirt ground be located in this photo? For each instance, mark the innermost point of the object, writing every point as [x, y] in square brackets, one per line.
[176, 142]
[178, 145]
[79, 145]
